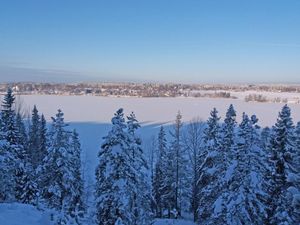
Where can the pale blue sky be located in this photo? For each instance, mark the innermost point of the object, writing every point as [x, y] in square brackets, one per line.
[150, 40]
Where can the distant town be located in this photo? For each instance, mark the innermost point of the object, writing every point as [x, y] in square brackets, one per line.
[250, 92]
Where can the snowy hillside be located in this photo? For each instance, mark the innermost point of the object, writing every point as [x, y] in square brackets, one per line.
[22, 214]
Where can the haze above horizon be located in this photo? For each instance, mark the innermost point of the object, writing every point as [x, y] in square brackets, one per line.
[166, 41]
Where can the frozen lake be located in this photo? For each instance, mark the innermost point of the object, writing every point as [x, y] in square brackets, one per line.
[150, 110]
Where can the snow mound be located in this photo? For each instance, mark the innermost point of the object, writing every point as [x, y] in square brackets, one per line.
[172, 222]
[22, 214]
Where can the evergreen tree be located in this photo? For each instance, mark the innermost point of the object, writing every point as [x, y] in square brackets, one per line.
[122, 190]
[8, 118]
[22, 133]
[6, 170]
[265, 137]
[180, 165]
[26, 187]
[76, 207]
[193, 145]
[34, 139]
[140, 196]
[159, 176]
[112, 174]
[169, 183]
[40, 154]
[58, 177]
[9, 148]
[283, 177]
[296, 190]
[228, 132]
[209, 183]
[42, 133]
[243, 204]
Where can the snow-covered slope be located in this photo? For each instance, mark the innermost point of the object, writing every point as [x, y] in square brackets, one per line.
[21, 214]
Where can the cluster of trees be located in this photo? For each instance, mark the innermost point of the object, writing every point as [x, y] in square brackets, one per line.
[236, 173]
[262, 98]
[122, 187]
[40, 166]
[256, 98]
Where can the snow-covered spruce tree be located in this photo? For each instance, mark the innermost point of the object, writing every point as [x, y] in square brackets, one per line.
[6, 169]
[180, 160]
[34, 139]
[15, 169]
[210, 183]
[8, 117]
[243, 204]
[225, 166]
[26, 187]
[296, 191]
[76, 207]
[121, 187]
[265, 137]
[42, 151]
[22, 132]
[9, 148]
[112, 174]
[57, 171]
[228, 134]
[193, 144]
[140, 200]
[159, 174]
[42, 147]
[283, 179]
[169, 183]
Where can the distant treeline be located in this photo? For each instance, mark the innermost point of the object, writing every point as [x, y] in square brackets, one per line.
[141, 89]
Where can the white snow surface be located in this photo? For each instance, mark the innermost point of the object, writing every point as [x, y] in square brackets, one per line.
[150, 110]
[22, 214]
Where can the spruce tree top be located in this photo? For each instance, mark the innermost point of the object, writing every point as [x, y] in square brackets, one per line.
[284, 130]
[213, 125]
[8, 100]
[230, 115]
[132, 123]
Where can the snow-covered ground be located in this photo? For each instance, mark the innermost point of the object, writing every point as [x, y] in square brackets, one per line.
[21, 214]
